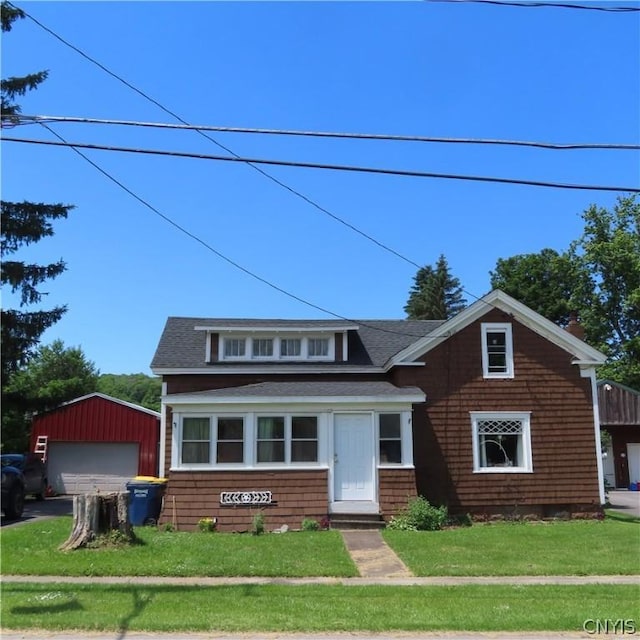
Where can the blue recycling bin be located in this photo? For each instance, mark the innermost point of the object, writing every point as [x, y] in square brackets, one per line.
[145, 500]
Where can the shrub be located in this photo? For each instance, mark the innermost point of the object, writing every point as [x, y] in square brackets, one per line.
[309, 524]
[207, 525]
[419, 515]
[257, 524]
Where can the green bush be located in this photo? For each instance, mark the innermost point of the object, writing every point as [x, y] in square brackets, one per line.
[419, 515]
[257, 524]
[207, 525]
[309, 524]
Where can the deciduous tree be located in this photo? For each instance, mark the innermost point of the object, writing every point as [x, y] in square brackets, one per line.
[598, 277]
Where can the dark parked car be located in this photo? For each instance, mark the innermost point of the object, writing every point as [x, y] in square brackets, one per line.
[34, 472]
[12, 490]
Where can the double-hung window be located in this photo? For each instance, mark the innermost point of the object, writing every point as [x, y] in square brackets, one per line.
[230, 442]
[270, 439]
[286, 439]
[212, 440]
[501, 442]
[390, 438]
[196, 441]
[497, 350]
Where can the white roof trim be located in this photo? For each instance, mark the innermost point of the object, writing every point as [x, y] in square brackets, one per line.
[584, 354]
[231, 369]
[276, 329]
[104, 396]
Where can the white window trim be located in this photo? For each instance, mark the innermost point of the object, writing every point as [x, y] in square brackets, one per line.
[489, 327]
[178, 425]
[221, 348]
[525, 417]
[277, 350]
[406, 440]
[176, 457]
[288, 416]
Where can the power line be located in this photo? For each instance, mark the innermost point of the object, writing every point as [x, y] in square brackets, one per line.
[335, 167]
[557, 5]
[290, 189]
[329, 134]
[222, 256]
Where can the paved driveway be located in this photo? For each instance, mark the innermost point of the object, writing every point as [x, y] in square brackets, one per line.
[38, 510]
[625, 501]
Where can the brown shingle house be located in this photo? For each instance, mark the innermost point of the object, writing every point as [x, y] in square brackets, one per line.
[491, 412]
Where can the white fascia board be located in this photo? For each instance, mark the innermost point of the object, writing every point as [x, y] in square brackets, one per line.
[202, 399]
[227, 369]
[276, 329]
[520, 312]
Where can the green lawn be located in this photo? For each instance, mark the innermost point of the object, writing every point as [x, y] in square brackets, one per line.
[609, 547]
[501, 549]
[313, 608]
[32, 549]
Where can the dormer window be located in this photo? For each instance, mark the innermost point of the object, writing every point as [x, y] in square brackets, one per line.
[278, 344]
[234, 347]
[290, 347]
[497, 350]
[262, 348]
[318, 347]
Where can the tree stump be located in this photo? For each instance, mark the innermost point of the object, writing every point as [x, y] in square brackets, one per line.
[98, 513]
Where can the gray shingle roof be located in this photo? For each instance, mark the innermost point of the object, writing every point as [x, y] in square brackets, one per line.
[372, 344]
[317, 389]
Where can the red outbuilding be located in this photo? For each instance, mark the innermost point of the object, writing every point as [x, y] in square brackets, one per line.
[96, 442]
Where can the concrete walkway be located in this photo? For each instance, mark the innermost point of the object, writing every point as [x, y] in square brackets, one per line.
[372, 556]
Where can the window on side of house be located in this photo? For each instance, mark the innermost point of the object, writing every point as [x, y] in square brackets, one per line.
[318, 347]
[270, 439]
[196, 441]
[497, 350]
[230, 442]
[501, 442]
[304, 439]
[234, 347]
[390, 438]
[290, 347]
[262, 347]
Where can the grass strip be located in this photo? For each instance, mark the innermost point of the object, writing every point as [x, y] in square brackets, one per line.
[32, 549]
[313, 608]
[608, 547]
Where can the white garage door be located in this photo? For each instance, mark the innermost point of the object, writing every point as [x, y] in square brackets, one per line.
[84, 467]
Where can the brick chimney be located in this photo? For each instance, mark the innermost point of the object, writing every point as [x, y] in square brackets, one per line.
[574, 327]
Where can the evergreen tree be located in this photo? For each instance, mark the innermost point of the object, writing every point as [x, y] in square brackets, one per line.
[22, 223]
[436, 294]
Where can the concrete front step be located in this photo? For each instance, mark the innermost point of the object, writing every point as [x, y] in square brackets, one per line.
[345, 521]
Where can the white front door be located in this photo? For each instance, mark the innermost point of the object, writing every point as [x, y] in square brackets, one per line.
[353, 457]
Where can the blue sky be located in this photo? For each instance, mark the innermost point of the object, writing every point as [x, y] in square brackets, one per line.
[409, 68]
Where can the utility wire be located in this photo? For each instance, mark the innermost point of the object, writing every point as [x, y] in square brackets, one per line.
[327, 134]
[335, 167]
[557, 5]
[220, 255]
[211, 139]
